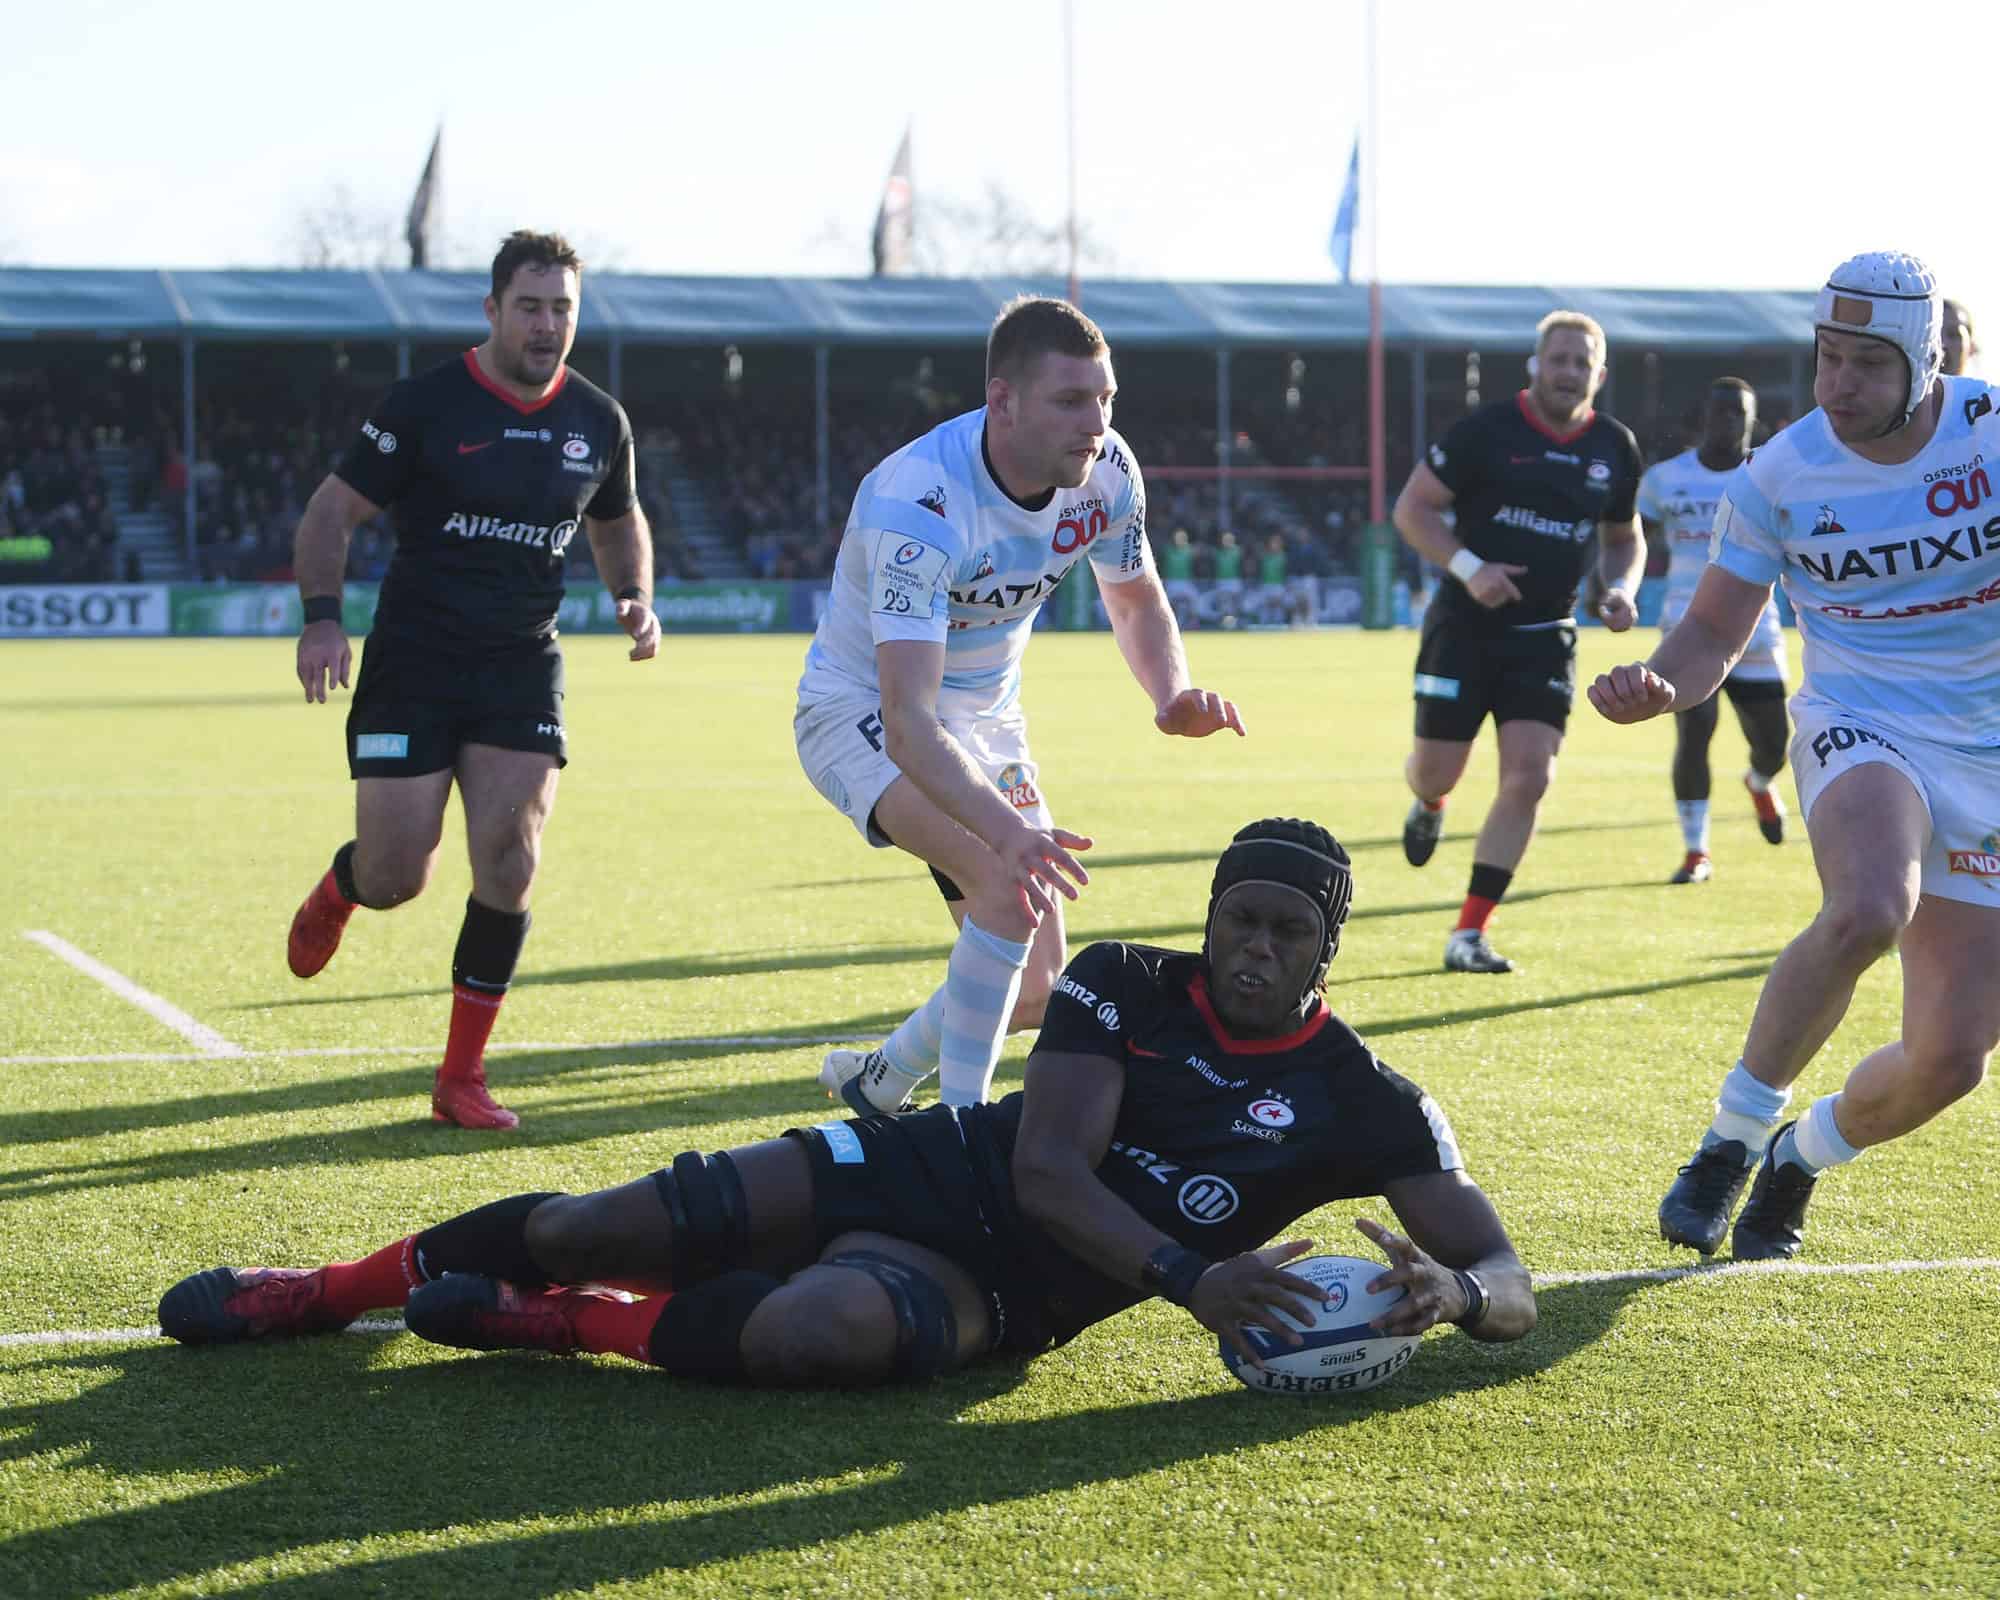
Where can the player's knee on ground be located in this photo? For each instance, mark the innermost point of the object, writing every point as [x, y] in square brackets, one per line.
[827, 1325]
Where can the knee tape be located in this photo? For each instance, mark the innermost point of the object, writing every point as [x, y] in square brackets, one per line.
[700, 1332]
[711, 1221]
[926, 1326]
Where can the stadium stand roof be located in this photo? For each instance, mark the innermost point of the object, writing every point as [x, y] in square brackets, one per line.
[278, 305]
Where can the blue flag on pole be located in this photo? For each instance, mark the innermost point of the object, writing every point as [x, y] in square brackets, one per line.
[1341, 244]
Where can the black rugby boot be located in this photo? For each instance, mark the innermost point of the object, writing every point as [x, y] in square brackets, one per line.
[1696, 1209]
[1772, 1226]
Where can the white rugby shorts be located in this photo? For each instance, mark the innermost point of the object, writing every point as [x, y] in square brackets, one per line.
[842, 749]
[1959, 786]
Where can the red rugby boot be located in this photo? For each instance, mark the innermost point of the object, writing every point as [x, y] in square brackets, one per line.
[462, 1098]
[317, 927]
[227, 1304]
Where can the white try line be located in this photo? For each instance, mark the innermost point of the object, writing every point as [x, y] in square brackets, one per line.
[1543, 1280]
[741, 1041]
[200, 1034]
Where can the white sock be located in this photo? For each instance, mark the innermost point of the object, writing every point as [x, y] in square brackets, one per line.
[980, 986]
[1817, 1139]
[1747, 1110]
[1757, 782]
[913, 1047]
[1694, 824]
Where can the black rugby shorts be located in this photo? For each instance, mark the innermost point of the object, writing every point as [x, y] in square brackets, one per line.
[1522, 674]
[413, 709]
[912, 1176]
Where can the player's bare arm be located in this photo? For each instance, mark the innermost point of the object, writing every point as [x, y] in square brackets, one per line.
[623, 548]
[319, 558]
[1448, 1223]
[1069, 1106]
[1419, 518]
[1693, 659]
[1621, 563]
[1142, 621]
[910, 672]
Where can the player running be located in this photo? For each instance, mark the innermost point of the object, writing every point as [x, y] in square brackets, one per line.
[490, 460]
[1179, 1111]
[909, 720]
[1876, 512]
[1528, 480]
[1677, 500]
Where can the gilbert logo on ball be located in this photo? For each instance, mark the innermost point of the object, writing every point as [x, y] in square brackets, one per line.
[1341, 1353]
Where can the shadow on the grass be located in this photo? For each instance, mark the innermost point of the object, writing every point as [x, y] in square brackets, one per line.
[668, 1105]
[334, 1448]
[754, 963]
[1099, 860]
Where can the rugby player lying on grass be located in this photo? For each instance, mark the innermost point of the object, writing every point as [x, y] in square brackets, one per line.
[1179, 1109]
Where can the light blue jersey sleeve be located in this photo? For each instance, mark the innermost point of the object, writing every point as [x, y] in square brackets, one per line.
[1121, 554]
[1744, 541]
[910, 569]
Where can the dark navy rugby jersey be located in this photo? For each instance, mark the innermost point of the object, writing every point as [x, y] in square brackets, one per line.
[1531, 497]
[1220, 1142]
[487, 492]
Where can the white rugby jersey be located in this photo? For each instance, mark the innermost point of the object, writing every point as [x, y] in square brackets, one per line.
[935, 549]
[1894, 571]
[1681, 495]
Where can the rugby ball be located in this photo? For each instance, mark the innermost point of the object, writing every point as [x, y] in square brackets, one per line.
[1341, 1353]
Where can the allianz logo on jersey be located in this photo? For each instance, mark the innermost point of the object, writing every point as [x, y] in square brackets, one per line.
[1548, 527]
[554, 540]
[531, 435]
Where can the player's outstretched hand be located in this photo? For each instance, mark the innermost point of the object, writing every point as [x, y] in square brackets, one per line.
[1493, 584]
[637, 619]
[1251, 1288]
[325, 659]
[1631, 693]
[1196, 713]
[1616, 610]
[1038, 859]
[1434, 1294]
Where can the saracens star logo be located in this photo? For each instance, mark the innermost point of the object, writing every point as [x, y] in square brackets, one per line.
[1273, 1112]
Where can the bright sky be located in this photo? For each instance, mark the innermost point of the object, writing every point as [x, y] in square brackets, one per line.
[1751, 144]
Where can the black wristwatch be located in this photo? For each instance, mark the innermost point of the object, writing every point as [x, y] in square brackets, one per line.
[1172, 1271]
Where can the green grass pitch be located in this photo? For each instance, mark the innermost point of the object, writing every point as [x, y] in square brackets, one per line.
[1785, 1433]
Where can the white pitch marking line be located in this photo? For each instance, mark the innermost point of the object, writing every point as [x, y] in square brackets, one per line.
[500, 1055]
[1543, 1280]
[196, 1033]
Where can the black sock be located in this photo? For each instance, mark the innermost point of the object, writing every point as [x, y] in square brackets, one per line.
[1489, 883]
[492, 1241]
[343, 873]
[489, 945]
[700, 1332]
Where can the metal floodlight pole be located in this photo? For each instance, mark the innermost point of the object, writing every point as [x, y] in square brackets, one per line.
[1370, 214]
[1069, 102]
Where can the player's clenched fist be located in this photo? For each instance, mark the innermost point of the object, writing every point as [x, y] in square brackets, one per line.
[1631, 693]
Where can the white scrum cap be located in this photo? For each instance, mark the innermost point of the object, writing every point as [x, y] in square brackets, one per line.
[1887, 295]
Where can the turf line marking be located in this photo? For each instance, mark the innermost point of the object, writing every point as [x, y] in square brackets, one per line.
[210, 1042]
[1543, 1280]
[500, 1055]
